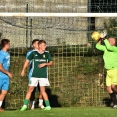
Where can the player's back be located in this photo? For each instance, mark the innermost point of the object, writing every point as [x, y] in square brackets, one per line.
[5, 61]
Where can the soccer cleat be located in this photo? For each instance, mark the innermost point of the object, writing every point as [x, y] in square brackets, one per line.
[114, 106]
[41, 106]
[47, 108]
[1, 110]
[23, 108]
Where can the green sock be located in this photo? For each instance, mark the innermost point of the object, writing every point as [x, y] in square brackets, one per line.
[47, 102]
[26, 102]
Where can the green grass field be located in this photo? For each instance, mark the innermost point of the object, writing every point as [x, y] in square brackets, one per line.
[64, 112]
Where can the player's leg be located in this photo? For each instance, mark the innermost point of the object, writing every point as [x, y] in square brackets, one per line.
[40, 98]
[45, 96]
[26, 100]
[109, 88]
[4, 85]
[114, 80]
[32, 83]
[114, 87]
[2, 96]
[44, 82]
[32, 99]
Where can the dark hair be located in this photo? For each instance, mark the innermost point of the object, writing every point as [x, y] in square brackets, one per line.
[42, 41]
[4, 42]
[34, 41]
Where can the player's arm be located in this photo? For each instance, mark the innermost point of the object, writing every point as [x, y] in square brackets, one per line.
[49, 63]
[24, 67]
[28, 53]
[109, 47]
[29, 58]
[99, 46]
[5, 71]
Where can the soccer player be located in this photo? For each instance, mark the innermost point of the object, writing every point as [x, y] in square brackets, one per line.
[110, 61]
[41, 60]
[32, 98]
[4, 67]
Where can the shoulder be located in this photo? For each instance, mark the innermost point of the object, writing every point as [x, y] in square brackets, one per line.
[46, 52]
[2, 53]
[29, 52]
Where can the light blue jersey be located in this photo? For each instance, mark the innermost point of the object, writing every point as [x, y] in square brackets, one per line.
[30, 70]
[5, 61]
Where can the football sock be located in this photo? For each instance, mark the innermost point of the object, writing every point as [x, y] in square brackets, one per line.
[1, 103]
[113, 97]
[47, 103]
[40, 102]
[32, 103]
[26, 102]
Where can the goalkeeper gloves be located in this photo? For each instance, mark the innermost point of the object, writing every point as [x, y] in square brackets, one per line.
[103, 34]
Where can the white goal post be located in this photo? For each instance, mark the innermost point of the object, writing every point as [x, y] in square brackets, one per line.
[2, 14]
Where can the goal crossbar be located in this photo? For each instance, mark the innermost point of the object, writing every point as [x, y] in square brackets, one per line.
[2, 14]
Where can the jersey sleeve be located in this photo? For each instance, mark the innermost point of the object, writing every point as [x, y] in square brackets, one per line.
[27, 55]
[100, 47]
[1, 59]
[109, 47]
[30, 56]
[49, 57]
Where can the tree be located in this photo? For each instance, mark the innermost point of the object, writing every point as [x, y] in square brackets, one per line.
[111, 27]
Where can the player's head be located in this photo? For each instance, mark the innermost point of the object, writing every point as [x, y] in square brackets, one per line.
[112, 41]
[42, 45]
[35, 43]
[5, 43]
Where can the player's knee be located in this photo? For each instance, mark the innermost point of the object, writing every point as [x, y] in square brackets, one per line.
[113, 87]
[30, 89]
[4, 93]
[109, 89]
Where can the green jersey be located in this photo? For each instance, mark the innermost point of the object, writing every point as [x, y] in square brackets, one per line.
[110, 54]
[37, 59]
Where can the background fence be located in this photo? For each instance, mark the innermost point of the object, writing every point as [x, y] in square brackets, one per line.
[77, 77]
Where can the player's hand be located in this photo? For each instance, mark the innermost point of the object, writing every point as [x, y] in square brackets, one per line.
[103, 34]
[42, 65]
[9, 74]
[22, 73]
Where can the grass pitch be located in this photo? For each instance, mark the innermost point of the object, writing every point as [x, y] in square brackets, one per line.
[63, 112]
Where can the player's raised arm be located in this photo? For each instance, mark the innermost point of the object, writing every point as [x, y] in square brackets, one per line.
[24, 67]
[99, 46]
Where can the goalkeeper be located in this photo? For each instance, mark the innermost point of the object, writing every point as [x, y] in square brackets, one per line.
[32, 98]
[110, 63]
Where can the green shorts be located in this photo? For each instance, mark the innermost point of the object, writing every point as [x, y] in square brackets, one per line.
[111, 77]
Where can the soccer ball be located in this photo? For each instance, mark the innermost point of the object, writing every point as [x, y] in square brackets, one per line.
[95, 36]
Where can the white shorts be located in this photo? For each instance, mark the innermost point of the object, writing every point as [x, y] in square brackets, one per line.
[42, 82]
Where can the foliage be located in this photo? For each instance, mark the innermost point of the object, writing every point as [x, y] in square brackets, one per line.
[111, 26]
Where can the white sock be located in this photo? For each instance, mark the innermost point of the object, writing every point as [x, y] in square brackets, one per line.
[40, 102]
[1, 103]
[24, 105]
[32, 103]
